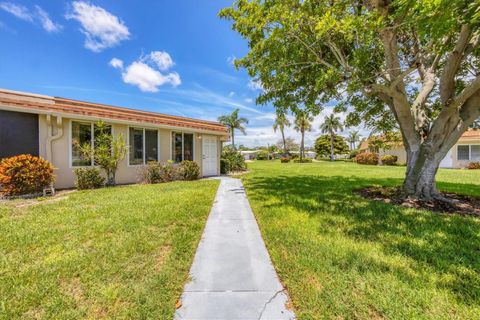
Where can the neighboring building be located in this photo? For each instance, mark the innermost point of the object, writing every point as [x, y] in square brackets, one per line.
[308, 154]
[249, 154]
[46, 126]
[466, 150]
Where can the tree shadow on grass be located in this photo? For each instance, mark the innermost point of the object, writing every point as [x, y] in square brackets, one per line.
[447, 245]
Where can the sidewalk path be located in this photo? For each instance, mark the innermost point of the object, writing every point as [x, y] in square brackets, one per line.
[232, 275]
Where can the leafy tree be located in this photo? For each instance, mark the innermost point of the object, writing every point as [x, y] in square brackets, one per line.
[232, 121]
[391, 63]
[303, 122]
[107, 151]
[386, 141]
[288, 144]
[331, 125]
[323, 145]
[280, 123]
[353, 138]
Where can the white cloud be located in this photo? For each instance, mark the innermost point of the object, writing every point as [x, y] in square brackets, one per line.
[46, 22]
[116, 63]
[248, 100]
[231, 60]
[231, 94]
[18, 11]
[255, 85]
[145, 73]
[101, 28]
[162, 59]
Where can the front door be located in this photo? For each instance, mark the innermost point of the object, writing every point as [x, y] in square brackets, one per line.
[210, 159]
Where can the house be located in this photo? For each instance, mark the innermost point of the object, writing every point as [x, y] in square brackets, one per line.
[308, 154]
[48, 126]
[249, 154]
[466, 150]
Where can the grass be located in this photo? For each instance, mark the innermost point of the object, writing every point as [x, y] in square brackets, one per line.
[344, 257]
[115, 253]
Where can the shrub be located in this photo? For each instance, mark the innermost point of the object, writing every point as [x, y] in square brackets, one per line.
[88, 178]
[305, 160]
[151, 173]
[263, 155]
[473, 165]
[25, 174]
[285, 160]
[367, 158]
[188, 170]
[389, 160]
[232, 161]
[353, 154]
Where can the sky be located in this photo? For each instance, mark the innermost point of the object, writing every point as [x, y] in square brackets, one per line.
[173, 57]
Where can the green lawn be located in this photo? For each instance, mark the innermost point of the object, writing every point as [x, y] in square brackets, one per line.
[343, 257]
[115, 253]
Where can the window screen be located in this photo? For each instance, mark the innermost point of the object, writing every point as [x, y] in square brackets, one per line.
[463, 152]
[136, 146]
[475, 152]
[81, 135]
[188, 146]
[151, 145]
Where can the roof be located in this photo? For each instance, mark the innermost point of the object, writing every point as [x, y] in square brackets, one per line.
[469, 135]
[68, 107]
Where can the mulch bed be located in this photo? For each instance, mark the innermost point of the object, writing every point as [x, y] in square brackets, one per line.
[463, 205]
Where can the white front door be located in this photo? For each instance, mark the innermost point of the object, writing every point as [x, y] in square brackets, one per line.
[209, 150]
[447, 162]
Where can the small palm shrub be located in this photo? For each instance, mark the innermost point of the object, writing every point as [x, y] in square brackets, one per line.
[369, 158]
[232, 161]
[285, 160]
[353, 154]
[188, 170]
[24, 174]
[88, 178]
[389, 160]
[473, 165]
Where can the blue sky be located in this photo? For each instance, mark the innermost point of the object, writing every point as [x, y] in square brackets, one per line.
[173, 57]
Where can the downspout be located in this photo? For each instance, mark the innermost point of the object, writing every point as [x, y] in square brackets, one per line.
[50, 136]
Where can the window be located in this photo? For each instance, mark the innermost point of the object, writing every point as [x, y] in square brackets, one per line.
[463, 152]
[475, 152]
[84, 133]
[182, 146]
[143, 146]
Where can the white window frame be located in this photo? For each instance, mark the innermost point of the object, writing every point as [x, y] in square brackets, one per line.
[183, 139]
[143, 141]
[92, 142]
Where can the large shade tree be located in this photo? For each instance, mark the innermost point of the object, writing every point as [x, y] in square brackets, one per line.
[233, 122]
[281, 122]
[414, 63]
[331, 125]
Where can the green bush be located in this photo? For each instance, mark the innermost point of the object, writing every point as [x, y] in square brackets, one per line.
[263, 155]
[151, 173]
[305, 160]
[389, 160]
[285, 160]
[88, 178]
[232, 161]
[367, 158]
[353, 154]
[188, 170]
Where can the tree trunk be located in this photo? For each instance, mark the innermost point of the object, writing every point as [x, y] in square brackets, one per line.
[302, 145]
[284, 142]
[233, 140]
[332, 152]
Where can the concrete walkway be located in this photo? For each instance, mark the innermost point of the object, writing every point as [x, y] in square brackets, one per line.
[232, 275]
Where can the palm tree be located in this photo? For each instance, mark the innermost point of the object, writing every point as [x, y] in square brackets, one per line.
[330, 126]
[353, 137]
[303, 123]
[280, 123]
[232, 122]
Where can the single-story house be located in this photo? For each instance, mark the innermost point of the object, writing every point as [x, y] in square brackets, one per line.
[46, 126]
[308, 154]
[249, 154]
[466, 150]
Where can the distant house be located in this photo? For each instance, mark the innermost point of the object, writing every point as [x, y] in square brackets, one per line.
[466, 150]
[249, 154]
[308, 154]
[48, 127]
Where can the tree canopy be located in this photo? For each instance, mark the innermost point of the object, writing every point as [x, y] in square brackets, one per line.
[322, 145]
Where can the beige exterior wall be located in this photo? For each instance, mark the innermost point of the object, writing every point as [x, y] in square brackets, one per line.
[61, 150]
[462, 163]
